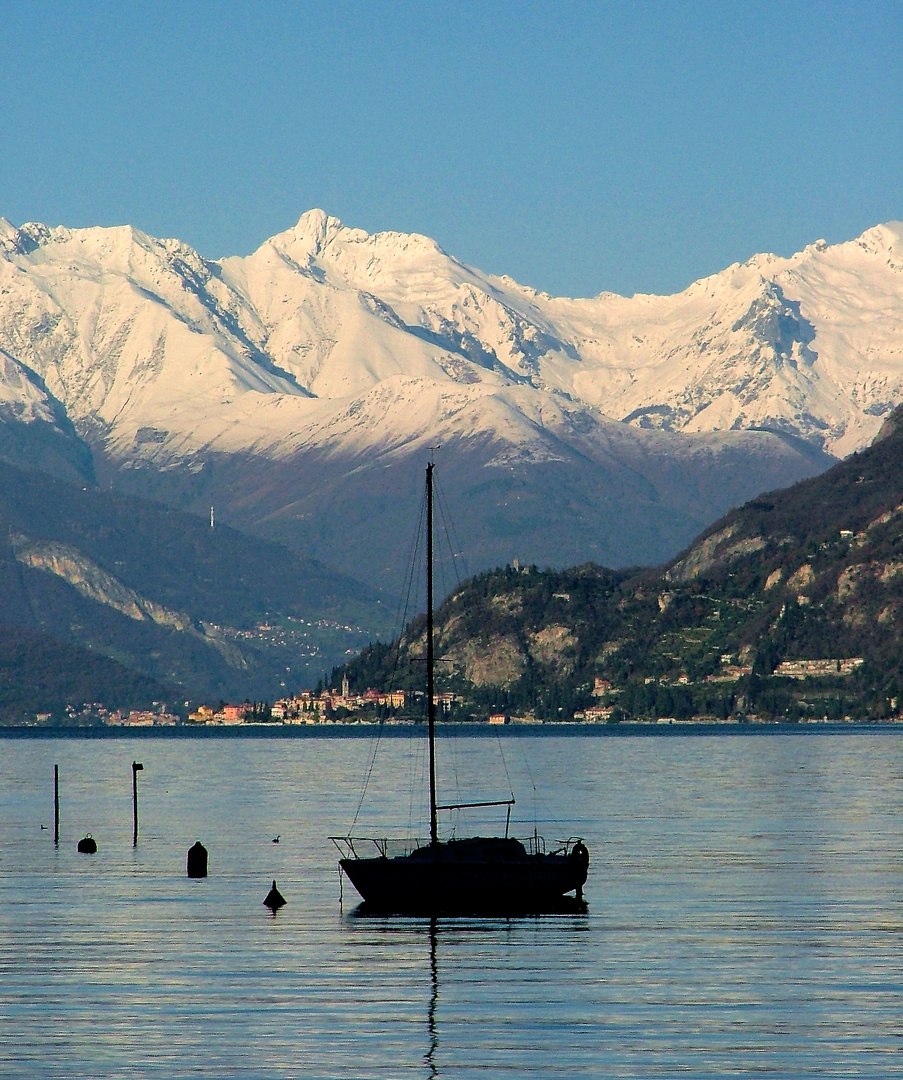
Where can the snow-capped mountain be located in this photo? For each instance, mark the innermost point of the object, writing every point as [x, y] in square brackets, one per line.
[296, 388]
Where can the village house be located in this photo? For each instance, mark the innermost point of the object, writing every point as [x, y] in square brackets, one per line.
[595, 714]
[804, 669]
[202, 715]
[234, 714]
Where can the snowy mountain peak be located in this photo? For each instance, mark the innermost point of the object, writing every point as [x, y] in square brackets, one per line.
[25, 239]
[352, 254]
[883, 242]
[885, 236]
[314, 231]
[133, 333]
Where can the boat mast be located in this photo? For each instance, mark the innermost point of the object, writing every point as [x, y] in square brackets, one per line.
[430, 703]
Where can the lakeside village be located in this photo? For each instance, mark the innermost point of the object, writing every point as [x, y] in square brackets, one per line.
[341, 706]
[335, 706]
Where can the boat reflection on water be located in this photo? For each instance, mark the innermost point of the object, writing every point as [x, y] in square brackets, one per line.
[497, 937]
[430, 1056]
[508, 909]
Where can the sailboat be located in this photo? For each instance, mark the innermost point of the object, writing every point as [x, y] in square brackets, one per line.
[499, 874]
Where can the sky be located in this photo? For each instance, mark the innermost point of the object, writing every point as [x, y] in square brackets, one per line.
[577, 147]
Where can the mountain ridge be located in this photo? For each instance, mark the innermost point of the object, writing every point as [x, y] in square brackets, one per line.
[329, 343]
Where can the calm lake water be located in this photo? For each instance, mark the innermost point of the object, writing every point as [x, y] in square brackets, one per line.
[745, 912]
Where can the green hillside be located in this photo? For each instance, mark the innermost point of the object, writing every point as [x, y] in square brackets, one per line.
[210, 611]
[41, 675]
[810, 578]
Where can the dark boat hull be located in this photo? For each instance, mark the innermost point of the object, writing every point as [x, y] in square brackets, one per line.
[440, 879]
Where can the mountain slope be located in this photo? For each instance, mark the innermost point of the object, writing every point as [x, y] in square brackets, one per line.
[210, 611]
[39, 674]
[790, 607]
[317, 370]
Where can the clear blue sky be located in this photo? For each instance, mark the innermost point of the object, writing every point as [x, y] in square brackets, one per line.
[575, 146]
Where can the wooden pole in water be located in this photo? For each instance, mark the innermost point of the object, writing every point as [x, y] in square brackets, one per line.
[136, 765]
[56, 804]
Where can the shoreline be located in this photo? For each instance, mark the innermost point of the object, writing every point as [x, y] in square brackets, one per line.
[625, 729]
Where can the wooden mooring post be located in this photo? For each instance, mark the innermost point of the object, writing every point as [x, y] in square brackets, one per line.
[136, 766]
[56, 804]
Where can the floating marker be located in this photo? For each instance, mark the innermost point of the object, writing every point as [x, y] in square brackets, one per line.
[275, 900]
[87, 845]
[196, 865]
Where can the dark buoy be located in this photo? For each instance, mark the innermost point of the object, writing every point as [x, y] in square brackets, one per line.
[87, 845]
[275, 900]
[196, 865]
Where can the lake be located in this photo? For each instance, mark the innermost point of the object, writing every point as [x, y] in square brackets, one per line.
[745, 911]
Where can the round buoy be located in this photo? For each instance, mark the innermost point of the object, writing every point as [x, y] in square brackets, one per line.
[275, 899]
[196, 864]
[87, 845]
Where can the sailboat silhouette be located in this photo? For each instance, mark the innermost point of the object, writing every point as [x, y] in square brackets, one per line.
[496, 874]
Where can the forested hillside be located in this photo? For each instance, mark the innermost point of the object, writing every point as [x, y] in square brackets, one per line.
[212, 611]
[41, 675]
[790, 607]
